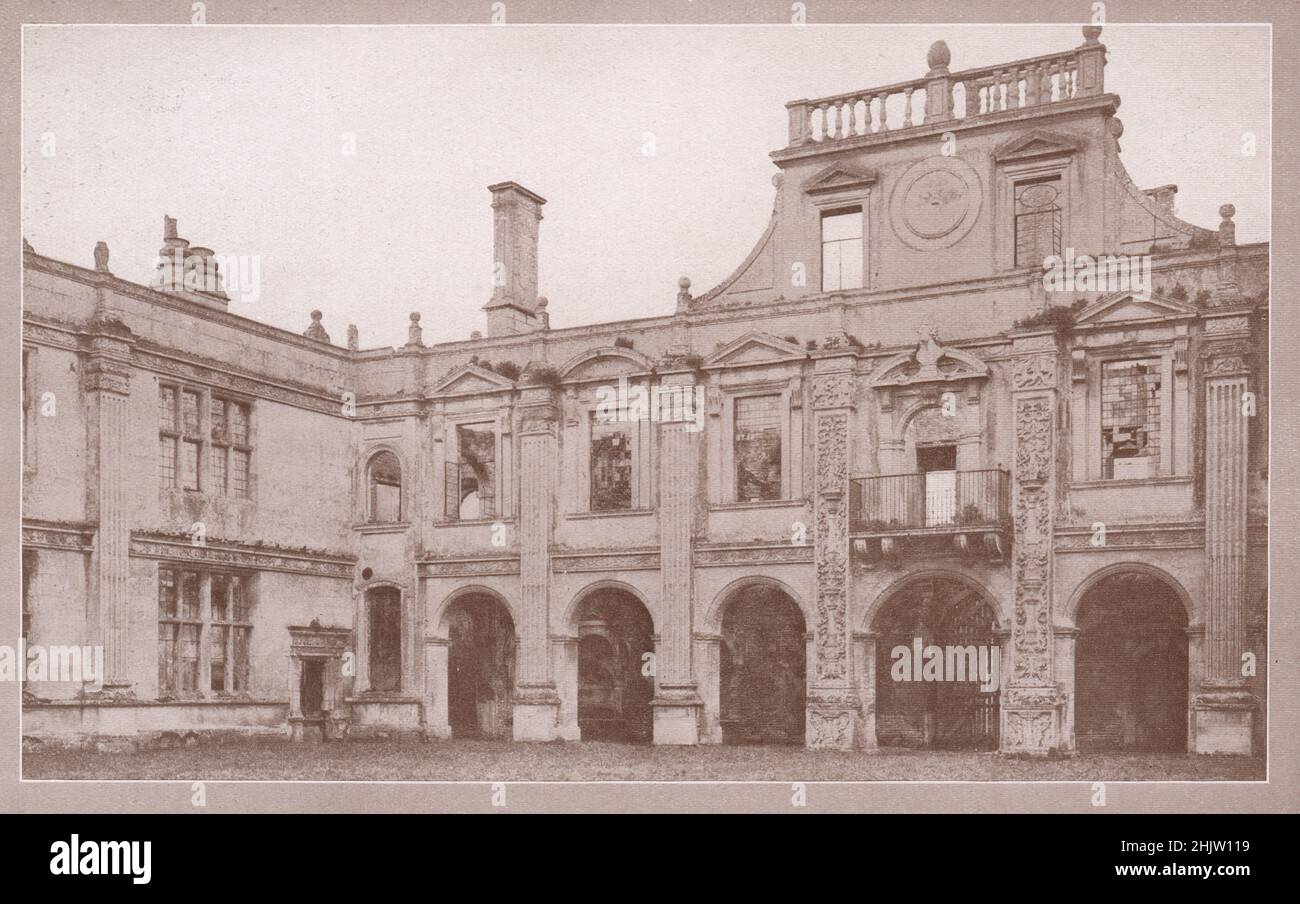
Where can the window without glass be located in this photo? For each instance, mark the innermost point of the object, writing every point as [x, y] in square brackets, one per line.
[611, 467]
[1130, 419]
[842, 249]
[183, 627]
[1038, 221]
[385, 639]
[471, 481]
[757, 448]
[385, 488]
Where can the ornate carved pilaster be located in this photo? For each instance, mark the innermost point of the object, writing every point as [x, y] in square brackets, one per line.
[834, 718]
[677, 702]
[1224, 707]
[536, 708]
[106, 382]
[1030, 701]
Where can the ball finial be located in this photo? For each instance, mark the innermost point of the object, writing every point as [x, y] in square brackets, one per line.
[415, 317]
[542, 302]
[1227, 211]
[684, 283]
[1091, 33]
[939, 56]
[316, 316]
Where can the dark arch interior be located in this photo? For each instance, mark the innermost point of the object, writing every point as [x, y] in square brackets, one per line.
[762, 669]
[1131, 666]
[948, 714]
[480, 667]
[615, 667]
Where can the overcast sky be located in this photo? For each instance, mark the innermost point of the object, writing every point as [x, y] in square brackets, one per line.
[239, 134]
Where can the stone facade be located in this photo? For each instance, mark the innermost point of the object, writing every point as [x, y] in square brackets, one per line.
[885, 422]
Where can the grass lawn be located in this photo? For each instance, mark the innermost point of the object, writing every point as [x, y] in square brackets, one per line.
[464, 760]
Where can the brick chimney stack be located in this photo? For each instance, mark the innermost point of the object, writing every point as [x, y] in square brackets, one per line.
[516, 215]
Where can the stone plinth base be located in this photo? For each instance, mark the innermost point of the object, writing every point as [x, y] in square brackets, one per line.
[677, 712]
[1223, 722]
[536, 713]
[833, 727]
[1030, 730]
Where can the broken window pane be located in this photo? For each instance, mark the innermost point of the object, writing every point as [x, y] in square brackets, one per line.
[1038, 222]
[757, 448]
[1130, 419]
[611, 467]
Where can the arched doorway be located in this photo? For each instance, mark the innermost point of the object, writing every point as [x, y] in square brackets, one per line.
[480, 667]
[943, 703]
[762, 661]
[1130, 669]
[615, 671]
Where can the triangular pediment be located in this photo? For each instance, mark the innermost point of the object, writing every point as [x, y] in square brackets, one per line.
[1036, 143]
[839, 177]
[930, 363]
[753, 348]
[470, 378]
[1123, 306]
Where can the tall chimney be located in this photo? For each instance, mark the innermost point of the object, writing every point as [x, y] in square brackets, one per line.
[516, 213]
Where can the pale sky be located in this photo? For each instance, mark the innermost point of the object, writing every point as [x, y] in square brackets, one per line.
[238, 133]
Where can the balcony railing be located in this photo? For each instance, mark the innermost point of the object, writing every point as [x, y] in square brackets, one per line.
[938, 501]
[942, 95]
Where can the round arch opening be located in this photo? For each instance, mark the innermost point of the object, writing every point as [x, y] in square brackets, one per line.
[1130, 668]
[480, 667]
[938, 667]
[762, 668]
[615, 667]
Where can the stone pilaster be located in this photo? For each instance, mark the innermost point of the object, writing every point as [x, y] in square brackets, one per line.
[1223, 707]
[677, 702]
[537, 705]
[834, 715]
[436, 721]
[106, 381]
[1031, 722]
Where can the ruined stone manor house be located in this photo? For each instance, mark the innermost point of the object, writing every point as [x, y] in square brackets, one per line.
[905, 438]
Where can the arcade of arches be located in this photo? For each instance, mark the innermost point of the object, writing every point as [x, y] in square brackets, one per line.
[1131, 684]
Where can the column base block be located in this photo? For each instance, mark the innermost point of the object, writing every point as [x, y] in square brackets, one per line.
[1030, 730]
[837, 727]
[1224, 723]
[536, 721]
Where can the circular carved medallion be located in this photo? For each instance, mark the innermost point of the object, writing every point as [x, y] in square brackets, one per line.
[935, 203]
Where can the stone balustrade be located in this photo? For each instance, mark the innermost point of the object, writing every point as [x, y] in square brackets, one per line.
[942, 96]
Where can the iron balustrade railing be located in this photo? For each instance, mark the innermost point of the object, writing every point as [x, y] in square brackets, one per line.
[930, 500]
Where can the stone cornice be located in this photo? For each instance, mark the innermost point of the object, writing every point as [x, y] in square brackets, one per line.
[725, 554]
[605, 560]
[71, 535]
[468, 566]
[1131, 535]
[222, 553]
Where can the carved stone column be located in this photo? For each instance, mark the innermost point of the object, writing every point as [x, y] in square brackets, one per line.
[676, 702]
[537, 705]
[106, 381]
[1224, 707]
[1030, 702]
[708, 671]
[834, 715]
[564, 653]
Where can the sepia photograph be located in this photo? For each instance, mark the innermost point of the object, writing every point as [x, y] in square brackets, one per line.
[495, 403]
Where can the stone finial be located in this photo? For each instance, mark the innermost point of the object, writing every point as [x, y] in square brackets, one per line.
[683, 293]
[316, 331]
[1227, 228]
[414, 334]
[475, 335]
[938, 58]
[543, 314]
[1090, 34]
[101, 257]
[354, 337]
